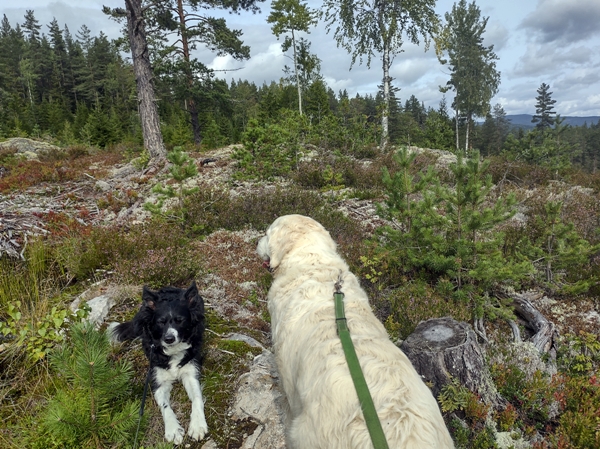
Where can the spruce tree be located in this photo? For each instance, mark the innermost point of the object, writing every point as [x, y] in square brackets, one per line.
[544, 109]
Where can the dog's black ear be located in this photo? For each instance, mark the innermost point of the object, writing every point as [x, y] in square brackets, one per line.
[191, 294]
[195, 302]
[149, 297]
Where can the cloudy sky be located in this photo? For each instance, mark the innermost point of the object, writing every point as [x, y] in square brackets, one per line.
[556, 42]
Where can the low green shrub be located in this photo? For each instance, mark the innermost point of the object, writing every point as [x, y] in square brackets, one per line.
[411, 302]
[92, 406]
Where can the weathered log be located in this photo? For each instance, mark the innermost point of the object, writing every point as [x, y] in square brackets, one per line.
[442, 349]
[545, 333]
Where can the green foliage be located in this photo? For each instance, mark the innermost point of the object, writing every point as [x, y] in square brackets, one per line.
[471, 429]
[183, 167]
[356, 31]
[142, 160]
[212, 135]
[580, 355]
[271, 150]
[448, 232]
[402, 188]
[561, 256]
[545, 147]
[31, 316]
[454, 397]
[39, 337]
[437, 132]
[92, 405]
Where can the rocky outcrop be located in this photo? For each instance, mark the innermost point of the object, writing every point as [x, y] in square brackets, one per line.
[29, 148]
[260, 399]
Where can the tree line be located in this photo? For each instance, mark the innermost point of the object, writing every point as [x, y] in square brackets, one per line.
[81, 89]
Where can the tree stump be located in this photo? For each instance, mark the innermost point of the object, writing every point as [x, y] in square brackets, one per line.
[442, 349]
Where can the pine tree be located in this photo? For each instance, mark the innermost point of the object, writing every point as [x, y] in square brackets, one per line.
[544, 109]
[150, 120]
[92, 407]
[448, 233]
[180, 27]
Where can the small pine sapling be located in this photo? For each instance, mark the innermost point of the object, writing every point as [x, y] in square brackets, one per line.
[183, 167]
[92, 405]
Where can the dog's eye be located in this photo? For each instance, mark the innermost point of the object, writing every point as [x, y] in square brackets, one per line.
[179, 319]
[162, 321]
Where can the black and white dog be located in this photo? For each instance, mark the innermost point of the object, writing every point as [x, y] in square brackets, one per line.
[171, 323]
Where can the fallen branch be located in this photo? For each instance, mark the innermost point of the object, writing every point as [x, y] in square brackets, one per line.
[545, 333]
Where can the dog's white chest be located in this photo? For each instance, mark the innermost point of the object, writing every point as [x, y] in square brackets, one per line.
[175, 372]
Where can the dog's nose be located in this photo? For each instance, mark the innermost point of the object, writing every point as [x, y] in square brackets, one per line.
[169, 339]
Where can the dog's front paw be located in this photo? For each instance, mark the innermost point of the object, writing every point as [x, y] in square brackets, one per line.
[174, 432]
[198, 428]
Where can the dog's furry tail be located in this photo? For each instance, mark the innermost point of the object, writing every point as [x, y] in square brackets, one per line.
[118, 332]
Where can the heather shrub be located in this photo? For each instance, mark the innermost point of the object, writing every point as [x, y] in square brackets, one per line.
[156, 253]
[325, 172]
[173, 265]
[521, 173]
[211, 209]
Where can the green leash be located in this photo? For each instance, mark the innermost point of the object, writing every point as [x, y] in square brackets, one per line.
[358, 378]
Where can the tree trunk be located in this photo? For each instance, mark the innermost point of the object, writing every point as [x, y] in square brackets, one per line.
[443, 349]
[185, 46]
[456, 128]
[142, 69]
[386, 97]
[467, 135]
[195, 121]
[296, 72]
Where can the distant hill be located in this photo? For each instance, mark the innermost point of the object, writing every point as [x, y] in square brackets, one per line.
[524, 120]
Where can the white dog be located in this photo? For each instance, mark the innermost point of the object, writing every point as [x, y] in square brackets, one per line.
[324, 412]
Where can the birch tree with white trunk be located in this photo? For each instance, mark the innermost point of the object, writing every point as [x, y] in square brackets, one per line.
[370, 28]
[292, 17]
